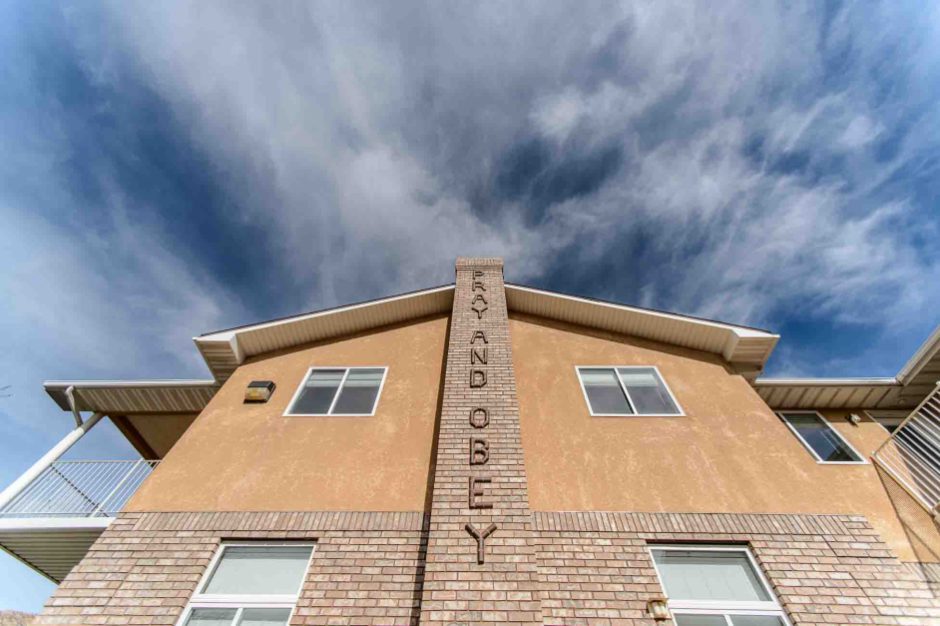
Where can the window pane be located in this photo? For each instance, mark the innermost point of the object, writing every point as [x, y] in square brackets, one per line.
[604, 392]
[819, 436]
[700, 620]
[757, 620]
[260, 570]
[318, 392]
[709, 575]
[647, 391]
[211, 617]
[359, 391]
[264, 617]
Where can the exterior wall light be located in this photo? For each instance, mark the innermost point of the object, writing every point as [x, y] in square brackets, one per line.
[658, 609]
[855, 419]
[259, 391]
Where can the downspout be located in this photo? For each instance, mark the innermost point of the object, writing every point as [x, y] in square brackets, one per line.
[50, 457]
[70, 396]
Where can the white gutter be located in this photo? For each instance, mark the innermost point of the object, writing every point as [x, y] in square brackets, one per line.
[825, 382]
[70, 397]
[925, 353]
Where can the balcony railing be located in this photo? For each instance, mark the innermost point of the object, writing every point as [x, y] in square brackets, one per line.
[79, 489]
[912, 454]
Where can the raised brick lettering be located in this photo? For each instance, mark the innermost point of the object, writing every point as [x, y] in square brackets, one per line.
[479, 451]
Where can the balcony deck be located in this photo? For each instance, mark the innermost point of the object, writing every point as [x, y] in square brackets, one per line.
[52, 523]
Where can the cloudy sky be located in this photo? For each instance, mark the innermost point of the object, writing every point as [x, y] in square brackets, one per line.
[173, 168]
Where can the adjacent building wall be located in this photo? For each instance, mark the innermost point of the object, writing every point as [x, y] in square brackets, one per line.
[728, 453]
[377, 463]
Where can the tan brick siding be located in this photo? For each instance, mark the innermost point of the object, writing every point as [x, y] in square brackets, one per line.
[595, 568]
[504, 589]
[367, 567]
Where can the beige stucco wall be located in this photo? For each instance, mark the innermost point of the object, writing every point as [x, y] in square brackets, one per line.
[729, 453]
[377, 463]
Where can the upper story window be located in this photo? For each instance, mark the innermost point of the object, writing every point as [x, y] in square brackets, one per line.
[339, 391]
[250, 584]
[626, 391]
[715, 586]
[820, 438]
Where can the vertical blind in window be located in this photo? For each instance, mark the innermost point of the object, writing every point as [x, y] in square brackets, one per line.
[715, 586]
[250, 585]
[259, 570]
[701, 575]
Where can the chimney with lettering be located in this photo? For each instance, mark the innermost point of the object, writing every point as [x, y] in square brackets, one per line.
[481, 565]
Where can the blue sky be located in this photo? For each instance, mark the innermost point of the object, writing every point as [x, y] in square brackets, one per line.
[173, 168]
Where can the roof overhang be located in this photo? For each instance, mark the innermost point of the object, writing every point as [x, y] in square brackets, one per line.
[831, 393]
[747, 349]
[225, 350]
[151, 414]
[917, 378]
[127, 397]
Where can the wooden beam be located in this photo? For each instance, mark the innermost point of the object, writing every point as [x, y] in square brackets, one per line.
[131, 434]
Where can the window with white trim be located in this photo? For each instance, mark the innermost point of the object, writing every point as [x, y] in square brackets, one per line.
[715, 586]
[820, 438]
[626, 391]
[338, 391]
[249, 584]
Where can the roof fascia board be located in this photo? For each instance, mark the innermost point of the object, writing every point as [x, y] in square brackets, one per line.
[826, 382]
[233, 333]
[230, 340]
[57, 388]
[927, 351]
[735, 337]
[741, 331]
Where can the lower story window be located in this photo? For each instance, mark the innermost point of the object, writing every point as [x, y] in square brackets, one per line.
[250, 584]
[715, 586]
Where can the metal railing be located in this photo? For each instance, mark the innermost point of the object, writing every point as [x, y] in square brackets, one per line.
[79, 489]
[911, 456]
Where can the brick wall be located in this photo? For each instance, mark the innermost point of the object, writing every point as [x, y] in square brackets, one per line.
[479, 440]
[825, 569]
[593, 568]
[367, 567]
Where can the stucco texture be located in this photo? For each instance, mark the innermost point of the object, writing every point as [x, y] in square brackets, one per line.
[728, 453]
[366, 463]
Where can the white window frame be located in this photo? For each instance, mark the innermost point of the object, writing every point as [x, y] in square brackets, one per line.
[243, 601]
[339, 390]
[770, 608]
[626, 394]
[820, 417]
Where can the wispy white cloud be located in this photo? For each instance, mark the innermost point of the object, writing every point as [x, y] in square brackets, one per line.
[372, 139]
[760, 162]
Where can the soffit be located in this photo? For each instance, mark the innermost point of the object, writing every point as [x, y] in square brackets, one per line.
[739, 345]
[128, 397]
[225, 350]
[913, 383]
